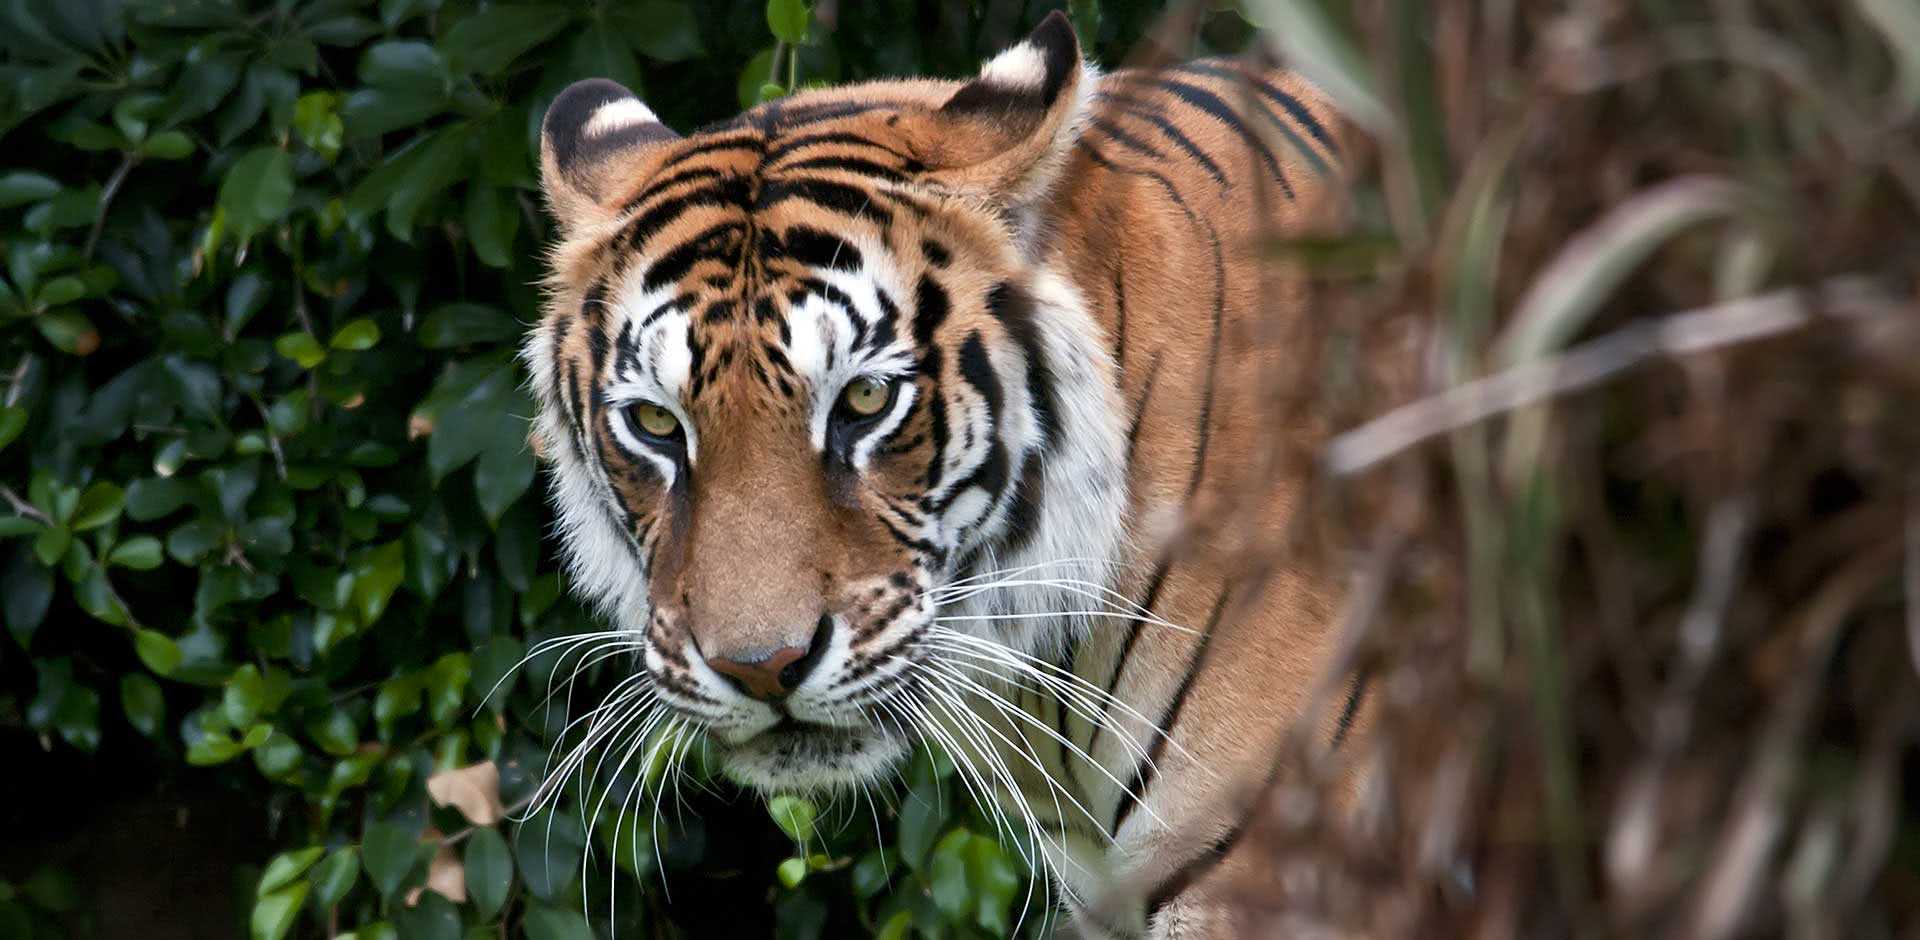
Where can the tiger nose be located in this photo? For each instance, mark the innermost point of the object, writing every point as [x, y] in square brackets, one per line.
[770, 674]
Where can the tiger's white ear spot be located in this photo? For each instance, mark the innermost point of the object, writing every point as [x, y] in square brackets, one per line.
[1021, 68]
[618, 115]
[1029, 76]
[594, 138]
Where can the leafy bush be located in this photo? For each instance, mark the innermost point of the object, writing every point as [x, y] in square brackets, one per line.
[272, 528]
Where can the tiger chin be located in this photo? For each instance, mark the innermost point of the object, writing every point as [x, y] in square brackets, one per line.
[926, 412]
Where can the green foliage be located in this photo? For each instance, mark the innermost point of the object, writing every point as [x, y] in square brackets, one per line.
[269, 508]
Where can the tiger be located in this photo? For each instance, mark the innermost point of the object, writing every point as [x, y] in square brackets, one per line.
[895, 413]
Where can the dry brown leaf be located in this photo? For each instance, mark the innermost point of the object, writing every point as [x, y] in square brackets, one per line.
[473, 790]
[445, 874]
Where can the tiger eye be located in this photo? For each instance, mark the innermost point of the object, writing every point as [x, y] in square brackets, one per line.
[656, 420]
[866, 397]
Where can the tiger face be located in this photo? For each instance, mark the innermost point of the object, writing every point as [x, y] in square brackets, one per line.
[799, 375]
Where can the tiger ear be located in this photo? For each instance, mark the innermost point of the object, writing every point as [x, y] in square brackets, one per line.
[593, 142]
[1006, 134]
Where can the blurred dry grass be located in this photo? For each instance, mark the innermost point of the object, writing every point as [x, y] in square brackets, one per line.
[1624, 347]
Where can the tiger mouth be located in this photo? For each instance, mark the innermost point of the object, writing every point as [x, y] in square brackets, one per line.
[801, 755]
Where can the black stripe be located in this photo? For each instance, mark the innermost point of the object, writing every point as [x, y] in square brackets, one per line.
[781, 115]
[976, 368]
[561, 392]
[576, 413]
[731, 192]
[625, 351]
[850, 165]
[1287, 102]
[1144, 110]
[1144, 771]
[1224, 113]
[818, 249]
[659, 186]
[697, 146]
[838, 197]
[1165, 184]
[930, 309]
[1204, 434]
[1134, 630]
[804, 141]
[1060, 717]
[671, 306]
[711, 243]
[1119, 322]
[1199, 866]
[834, 295]
[1023, 513]
[1140, 409]
[1125, 139]
[1219, 312]
[1015, 311]
[936, 255]
[917, 544]
[1351, 709]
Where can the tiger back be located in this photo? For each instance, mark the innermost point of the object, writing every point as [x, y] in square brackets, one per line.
[926, 412]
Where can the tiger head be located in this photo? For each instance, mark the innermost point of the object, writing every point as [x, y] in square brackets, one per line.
[800, 373]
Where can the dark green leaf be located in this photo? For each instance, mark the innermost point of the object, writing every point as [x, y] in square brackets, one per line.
[794, 815]
[489, 870]
[158, 651]
[791, 872]
[550, 923]
[19, 187]
[402, 64]
[26, 589]
[274, 914]
[13, 420]
[205, 80]
[357, 335]
[141, 553]
[371, 112]
[335, 875]
[548, 850]
[492, 219]
[921, 816]
[98, 506]
[334, 732]
[446, 686]
[461, 324]
[167, 145]
[505, 470]
[870, 875]
[493, 671]
[285, 867]
[60, 291]
[150, 498]
[389, 854]
[948, 874]
[245, 296]
[432, 918]
[663, 30]
[196, 385]
[141, 700]
[256, 191]
[68, 331]
[486, 41]
[788, 19]
[302, 348]
[376, 575]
